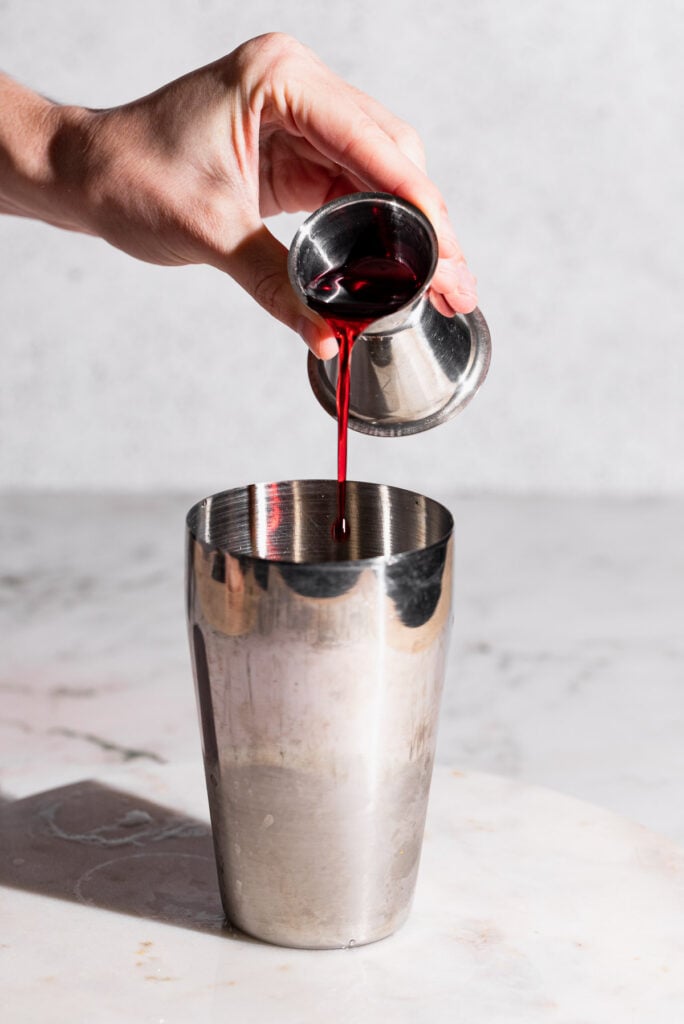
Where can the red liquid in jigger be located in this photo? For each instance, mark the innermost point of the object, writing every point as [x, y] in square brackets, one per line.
[350, 298]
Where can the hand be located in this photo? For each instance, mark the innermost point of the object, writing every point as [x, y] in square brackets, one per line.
[187, 174]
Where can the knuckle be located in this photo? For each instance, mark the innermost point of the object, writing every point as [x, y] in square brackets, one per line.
[409, 137]
[273, 47]
[411, 145]
[273, 63]
[267, 290]
[367, 133]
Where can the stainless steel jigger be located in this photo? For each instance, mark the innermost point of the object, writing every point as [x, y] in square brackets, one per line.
[415, 368]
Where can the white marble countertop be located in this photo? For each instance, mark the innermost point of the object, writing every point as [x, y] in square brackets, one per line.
[530, 907]
[565, 671]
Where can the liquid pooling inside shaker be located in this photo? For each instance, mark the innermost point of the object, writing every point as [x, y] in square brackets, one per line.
[350, 298]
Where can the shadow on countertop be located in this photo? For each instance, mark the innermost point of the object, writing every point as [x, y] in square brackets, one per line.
[105, 848]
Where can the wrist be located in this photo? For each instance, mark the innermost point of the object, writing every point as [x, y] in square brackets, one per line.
[42, 148]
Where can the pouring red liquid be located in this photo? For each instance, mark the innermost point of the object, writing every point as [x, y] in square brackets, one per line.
[350, 298]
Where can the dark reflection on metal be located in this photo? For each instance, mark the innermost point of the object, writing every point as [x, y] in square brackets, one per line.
[308, 581]
[452, 343]
[204, 693]
[261, 574]
[218, 568]
[415, 585]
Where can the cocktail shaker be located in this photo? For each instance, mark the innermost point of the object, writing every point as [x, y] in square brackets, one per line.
[319, 670]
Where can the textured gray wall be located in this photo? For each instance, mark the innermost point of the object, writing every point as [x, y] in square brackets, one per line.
[555, 132]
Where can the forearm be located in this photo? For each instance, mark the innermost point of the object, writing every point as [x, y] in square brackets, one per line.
[36, 147]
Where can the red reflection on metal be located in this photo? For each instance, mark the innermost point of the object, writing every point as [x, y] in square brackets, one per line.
[274, 517]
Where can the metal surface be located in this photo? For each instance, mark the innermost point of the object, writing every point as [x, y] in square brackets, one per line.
[409, 371]
[319, 669]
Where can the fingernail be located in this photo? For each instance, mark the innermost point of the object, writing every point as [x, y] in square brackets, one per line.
[327, 349]
[322, 347]
[466, 283]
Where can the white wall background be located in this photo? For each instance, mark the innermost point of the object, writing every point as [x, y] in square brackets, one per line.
[555, 132]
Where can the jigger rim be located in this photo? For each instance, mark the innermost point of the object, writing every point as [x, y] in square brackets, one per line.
[306, 230]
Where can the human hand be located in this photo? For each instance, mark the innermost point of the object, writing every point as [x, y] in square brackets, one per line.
[187, 174]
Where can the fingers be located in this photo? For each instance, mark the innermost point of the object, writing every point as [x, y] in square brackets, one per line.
[320, 138]
[453, 280]
[381, 151]
[259, 264]
[402, 134]
[347, 134]
[317, 336]
[454, 288]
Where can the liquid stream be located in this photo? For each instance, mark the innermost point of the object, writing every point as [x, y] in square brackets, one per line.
[350, 298]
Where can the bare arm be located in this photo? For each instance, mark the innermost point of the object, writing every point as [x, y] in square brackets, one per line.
[29, 186]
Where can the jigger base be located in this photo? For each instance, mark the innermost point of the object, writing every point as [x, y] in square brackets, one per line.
[412, 379]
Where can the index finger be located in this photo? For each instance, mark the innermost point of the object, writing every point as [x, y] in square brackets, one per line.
[329, 115]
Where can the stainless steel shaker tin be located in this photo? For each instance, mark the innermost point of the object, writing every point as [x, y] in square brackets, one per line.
[319, 669]
[414, 369]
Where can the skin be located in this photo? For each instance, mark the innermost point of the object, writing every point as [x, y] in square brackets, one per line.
[188, 173]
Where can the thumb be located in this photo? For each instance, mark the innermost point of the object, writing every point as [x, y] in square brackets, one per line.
[259, 264]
